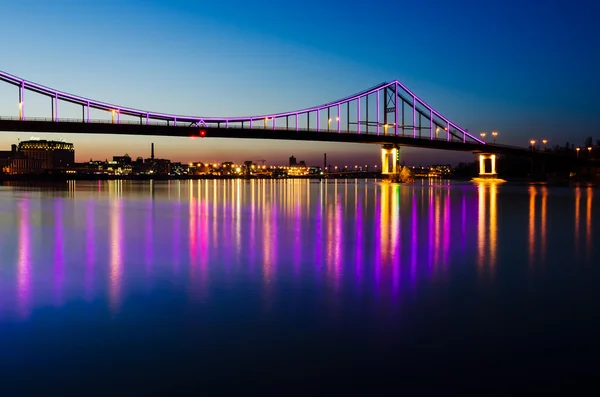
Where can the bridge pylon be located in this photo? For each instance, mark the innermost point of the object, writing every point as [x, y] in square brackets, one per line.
[484, 171]
[386, 151]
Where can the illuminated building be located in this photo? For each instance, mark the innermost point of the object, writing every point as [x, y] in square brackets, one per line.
[52, 154]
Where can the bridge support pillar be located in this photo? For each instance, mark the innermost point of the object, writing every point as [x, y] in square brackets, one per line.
[386, 151]
[484, 171]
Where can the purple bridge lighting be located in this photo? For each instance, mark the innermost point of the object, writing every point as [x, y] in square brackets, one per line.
[388, 113]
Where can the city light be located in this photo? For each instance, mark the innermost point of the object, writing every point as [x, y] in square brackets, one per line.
[482, 136]
[532, 144]
[494, 134]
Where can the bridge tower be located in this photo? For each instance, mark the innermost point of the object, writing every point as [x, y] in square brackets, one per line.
[484, 171]
[386, 151]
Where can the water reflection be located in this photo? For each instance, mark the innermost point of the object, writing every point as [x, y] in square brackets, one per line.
[577, 211]
[588, 222]
[107, 241]
[58, 251]
[116, 253]
[24, 276]
[487, 227]
[543, 224]
[89, 249]
[532, 234]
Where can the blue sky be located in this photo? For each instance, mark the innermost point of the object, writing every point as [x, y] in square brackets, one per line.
[527, 69]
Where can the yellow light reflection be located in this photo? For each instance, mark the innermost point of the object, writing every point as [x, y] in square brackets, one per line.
[493, 227]
[481, 226]
[531, 246]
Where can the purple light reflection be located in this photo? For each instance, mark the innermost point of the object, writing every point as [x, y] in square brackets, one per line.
[89, 249]
[297, 236]
[438, 237]
[177, 236]
[148, 237]
[380, 216]
[447, 232]
[414, 241]
[24, 261]
[204, 241]
[192, 234]
[116, 255]
[588, 223]
[319, 229]
[359, 242]
[58, 252]
[431, 243]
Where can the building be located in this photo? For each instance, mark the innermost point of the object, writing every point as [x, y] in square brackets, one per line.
[52, 154]
[20, 164]
[122, 160]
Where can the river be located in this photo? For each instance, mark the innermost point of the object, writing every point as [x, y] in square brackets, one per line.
[264, 286]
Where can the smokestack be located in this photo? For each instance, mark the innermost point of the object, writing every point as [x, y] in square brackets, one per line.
[324, 162]
[13, 148]
[152, 151]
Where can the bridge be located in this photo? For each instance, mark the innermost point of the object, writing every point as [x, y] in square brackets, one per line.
[388, 114]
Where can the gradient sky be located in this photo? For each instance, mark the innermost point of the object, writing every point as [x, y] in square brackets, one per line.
[528, 69]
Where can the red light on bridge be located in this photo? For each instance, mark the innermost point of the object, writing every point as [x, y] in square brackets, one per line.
[202, 132]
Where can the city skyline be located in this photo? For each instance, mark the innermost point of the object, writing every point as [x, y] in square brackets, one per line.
[261, 62]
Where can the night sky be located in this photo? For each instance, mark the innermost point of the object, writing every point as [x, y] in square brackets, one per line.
[527, 69]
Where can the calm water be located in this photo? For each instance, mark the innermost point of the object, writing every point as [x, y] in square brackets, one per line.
[221, 287]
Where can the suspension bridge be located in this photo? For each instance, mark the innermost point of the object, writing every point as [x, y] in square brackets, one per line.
[388, 114]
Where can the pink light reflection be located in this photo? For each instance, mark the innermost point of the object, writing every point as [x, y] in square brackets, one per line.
[24, 261]
[116, 254]
[58, 251]
[89, 249]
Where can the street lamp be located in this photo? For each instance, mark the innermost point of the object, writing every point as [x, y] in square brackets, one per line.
[544, 141]
[482, 136]
[328, 124]
[577, 150]
[589, 151]
[532, 144]
[494, 134]
[21, 110]
[113, 115]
